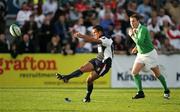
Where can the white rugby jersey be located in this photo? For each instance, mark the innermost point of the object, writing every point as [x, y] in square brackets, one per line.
[105, 49]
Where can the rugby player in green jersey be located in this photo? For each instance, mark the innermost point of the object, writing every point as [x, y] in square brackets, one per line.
[146, 56]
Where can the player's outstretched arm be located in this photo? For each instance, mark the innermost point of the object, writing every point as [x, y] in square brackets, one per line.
[86, 37]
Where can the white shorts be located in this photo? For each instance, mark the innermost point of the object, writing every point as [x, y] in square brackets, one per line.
[150, 59]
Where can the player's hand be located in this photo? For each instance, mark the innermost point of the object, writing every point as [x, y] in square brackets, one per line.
[77, 34]
[130, 32]
[73, 32]
[134, 50]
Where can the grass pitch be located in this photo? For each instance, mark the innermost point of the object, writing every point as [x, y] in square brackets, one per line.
[103, 100]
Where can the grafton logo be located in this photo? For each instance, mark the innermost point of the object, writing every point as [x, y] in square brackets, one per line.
[27, 63]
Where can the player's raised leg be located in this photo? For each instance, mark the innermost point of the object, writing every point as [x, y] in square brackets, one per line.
[88, 67]
[161, 78]
[93, 76]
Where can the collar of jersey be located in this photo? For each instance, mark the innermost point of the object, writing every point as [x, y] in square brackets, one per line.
[101, 36]
[137, 29]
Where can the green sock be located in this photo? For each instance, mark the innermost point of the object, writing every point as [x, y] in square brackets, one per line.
[163, 82]
[137, 80]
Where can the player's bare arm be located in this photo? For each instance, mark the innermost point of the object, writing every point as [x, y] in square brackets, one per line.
[134, 50]
[87, 38]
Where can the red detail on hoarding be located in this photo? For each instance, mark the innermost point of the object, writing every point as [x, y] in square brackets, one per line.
[27, 63]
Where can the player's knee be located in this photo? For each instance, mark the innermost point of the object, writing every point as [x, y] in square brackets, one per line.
[89, 81]
[156, 75]
[134, 72]
[81, 68]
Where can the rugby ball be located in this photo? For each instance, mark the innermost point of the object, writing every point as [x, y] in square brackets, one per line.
[15, 30]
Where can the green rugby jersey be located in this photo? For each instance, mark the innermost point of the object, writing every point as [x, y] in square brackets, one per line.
[142, 39]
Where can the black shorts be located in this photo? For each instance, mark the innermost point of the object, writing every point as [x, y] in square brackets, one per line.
[100, 67]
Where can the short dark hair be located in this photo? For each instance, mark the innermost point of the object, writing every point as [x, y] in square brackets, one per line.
[135, 16]
[99, 28]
